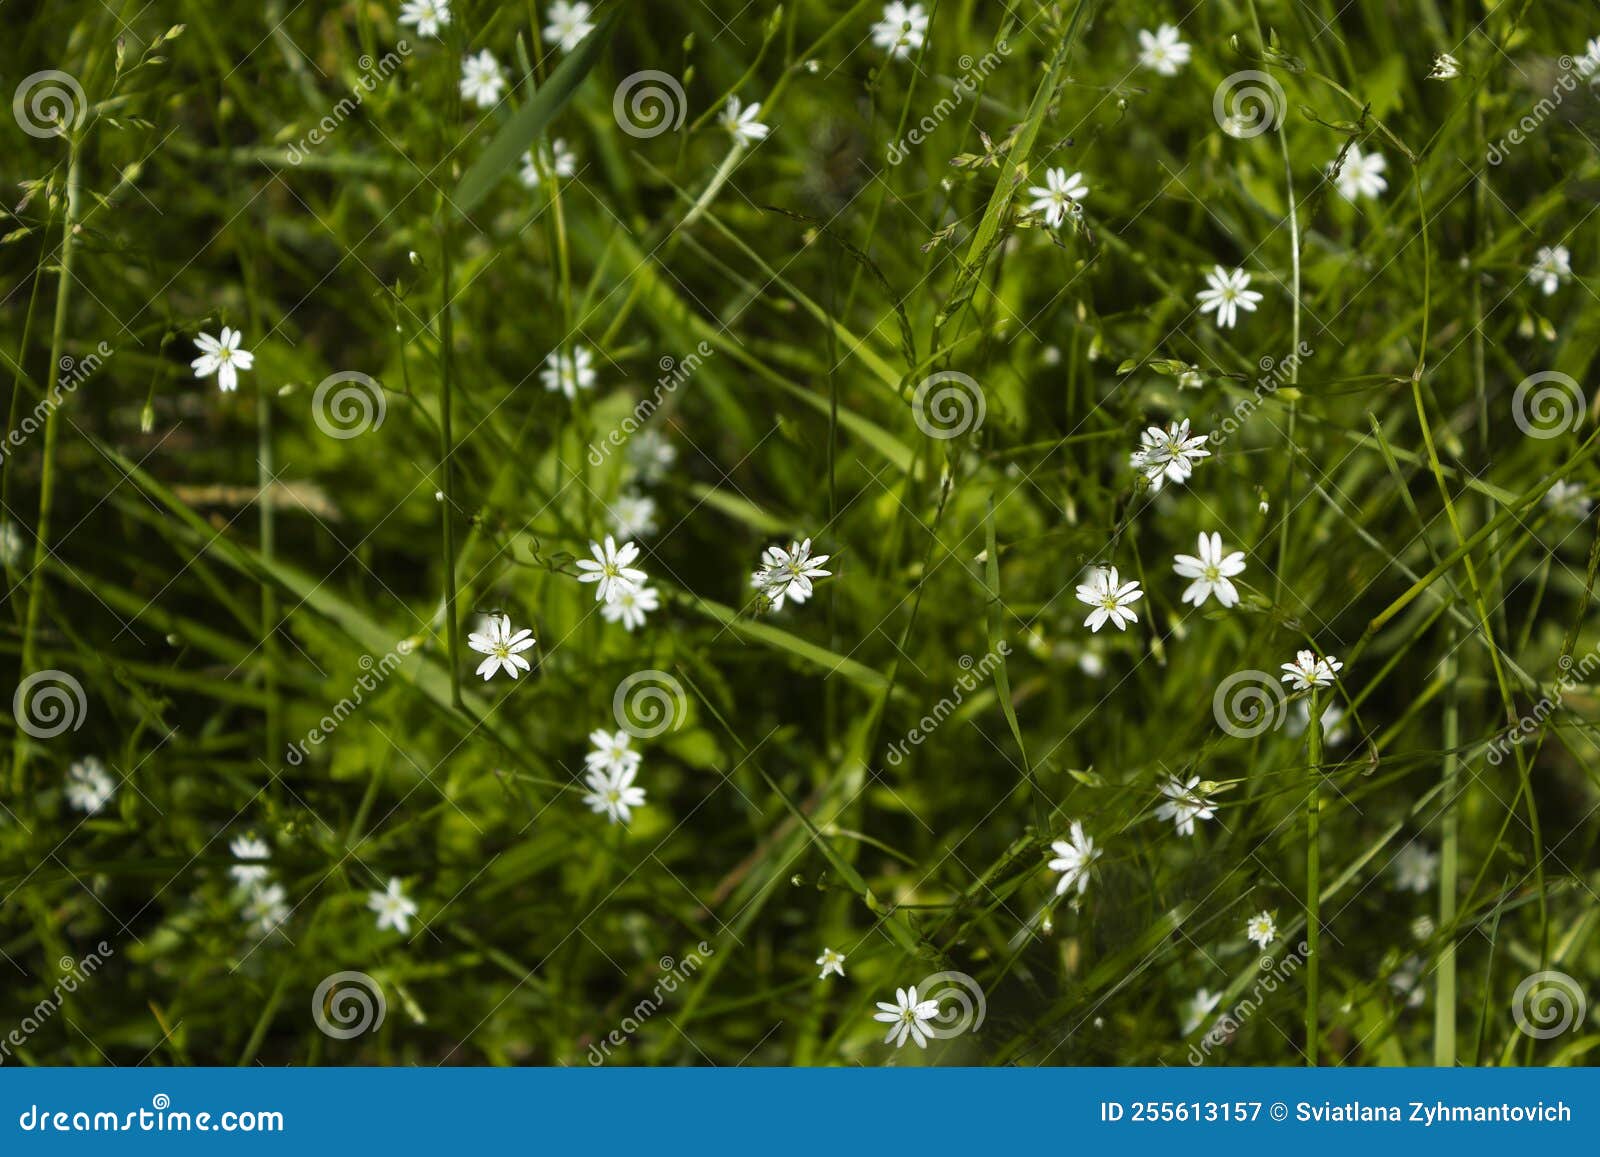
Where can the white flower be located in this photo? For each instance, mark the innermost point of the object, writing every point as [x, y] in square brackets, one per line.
[1567, 498]
[267, 908]
[1190, 379]
[1198, 1008]
[742, 123]
[1211, 572]
[630, 606]
[89, 786]
[612, 751]
[1111, 599]
[481, 80]
[1589, 63]
[1361, 175]
[1261, 928]
[1075, 858]
[1308, 671]
[503, 647]
[248, 848]
[568, 371]
[1414, 868]
[1228, 295]
[393, 907]
[1162, 51]
[1168, 455]
[1058, 196]
[1445, 67]
[613, 792]
[555, 159]
[609, 568]
[1333, 729]
[901, 30]
[1185, 805]
[651, 455]
[569, 24]
[633, 515]
[908, 1016]
[1404, 980]
[223, 357]
[1553, 267]
[11, 543]
[427, 15]
[787, 574]
[831, 961]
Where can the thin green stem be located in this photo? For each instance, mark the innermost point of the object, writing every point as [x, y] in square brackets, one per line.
[1313, 876]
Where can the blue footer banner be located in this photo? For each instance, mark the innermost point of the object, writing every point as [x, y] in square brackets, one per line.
[801, 1111]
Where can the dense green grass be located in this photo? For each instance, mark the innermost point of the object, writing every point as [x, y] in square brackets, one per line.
[881, 769]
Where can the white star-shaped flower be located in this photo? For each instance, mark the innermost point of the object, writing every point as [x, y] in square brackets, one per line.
[1414, 868]
[481, 79]
[555, 159]
[1163, 51]
[267, 908]
[1111, 598]
[89, 786]
[631, 606]
[611, 751]
[611, 569]
[1168, 455]
[1261, 928]
[569, 24]
[901, 31]
[1075, 858]
[503, 646]
[614, 793]
[1361, 175]
[1211, 572]
[223, 357]
[831, 961]
[1058, 196]
[393, 907]
[1227, 296]
[1553, 267]
[1445, 67]
[742, 122]
[633, 515]
[1309, 670]
[908, 1016]
[427, 16]
[1184, 804]
[253, 852]
[651, 455]
[788, 574]
[1567, 498]
[1198, 1008]
[568, 370]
